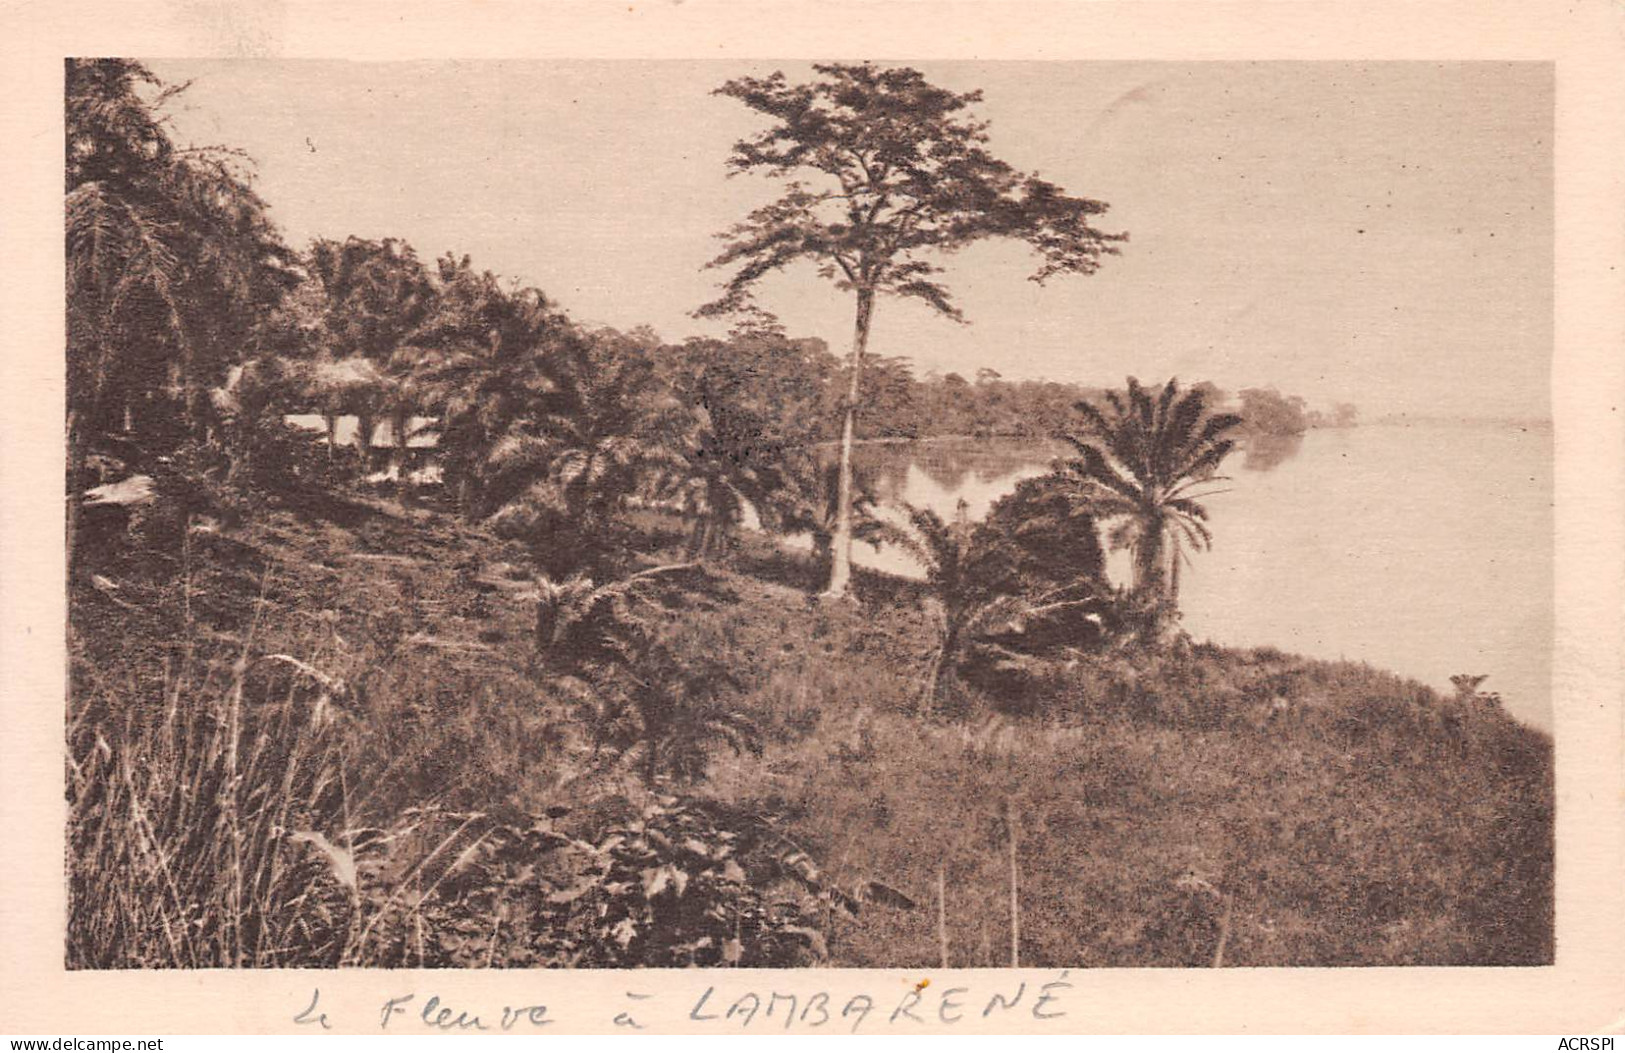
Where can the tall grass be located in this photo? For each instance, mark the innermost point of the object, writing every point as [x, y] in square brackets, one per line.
[180, 819]
[231, 813]
[379, 801]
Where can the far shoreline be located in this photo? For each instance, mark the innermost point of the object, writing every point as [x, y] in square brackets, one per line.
[1390, 421]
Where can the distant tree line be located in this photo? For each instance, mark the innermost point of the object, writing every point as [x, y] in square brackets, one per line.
[905, 406]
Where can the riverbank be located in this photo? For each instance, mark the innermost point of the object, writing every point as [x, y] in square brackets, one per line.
[1330, 552]
[1301, 812]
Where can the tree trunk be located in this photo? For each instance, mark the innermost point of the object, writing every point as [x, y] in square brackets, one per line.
[76, 482]
[1151, 577]
[699, 539]
[363, 441]
[332, 422]
[840, 570]
[1148, 559]
[397, 427]
[942, 668]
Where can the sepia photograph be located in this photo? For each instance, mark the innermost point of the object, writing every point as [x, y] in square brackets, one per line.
[856, 513]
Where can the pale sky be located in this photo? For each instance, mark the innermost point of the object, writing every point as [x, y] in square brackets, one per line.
[1379, 233]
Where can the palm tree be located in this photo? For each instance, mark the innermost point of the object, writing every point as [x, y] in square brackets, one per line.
[123, 267]
[681, 709]
[606, 433]
[173, 268]
[987, 600]
[546, 430]
[583, 627]
[375, 294]
[617, 428]
[942, 549]
[598, 640]
[486, 361]
[730, 464]
[120, 270]
[1142, 460]
[965, 602]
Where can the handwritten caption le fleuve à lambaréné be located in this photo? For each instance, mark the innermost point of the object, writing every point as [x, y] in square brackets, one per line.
[730, 1005]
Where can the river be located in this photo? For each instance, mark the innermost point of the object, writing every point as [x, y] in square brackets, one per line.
[1424, 549]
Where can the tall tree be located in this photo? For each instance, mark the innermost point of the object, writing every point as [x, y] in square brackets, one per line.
[901, 173]
[819, 494]
[173, 268]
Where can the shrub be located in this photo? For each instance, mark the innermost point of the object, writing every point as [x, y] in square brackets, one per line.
[669, 886]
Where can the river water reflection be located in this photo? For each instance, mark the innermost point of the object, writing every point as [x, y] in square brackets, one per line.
[1423, 549]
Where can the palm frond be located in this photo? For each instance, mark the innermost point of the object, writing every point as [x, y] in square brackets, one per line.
[1094, 467]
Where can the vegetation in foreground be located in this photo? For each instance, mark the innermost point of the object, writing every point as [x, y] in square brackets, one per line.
[349, 750]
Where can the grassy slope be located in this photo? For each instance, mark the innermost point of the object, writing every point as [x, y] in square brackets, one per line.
[416, 614]
[1339, 815]
[1353, 816]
